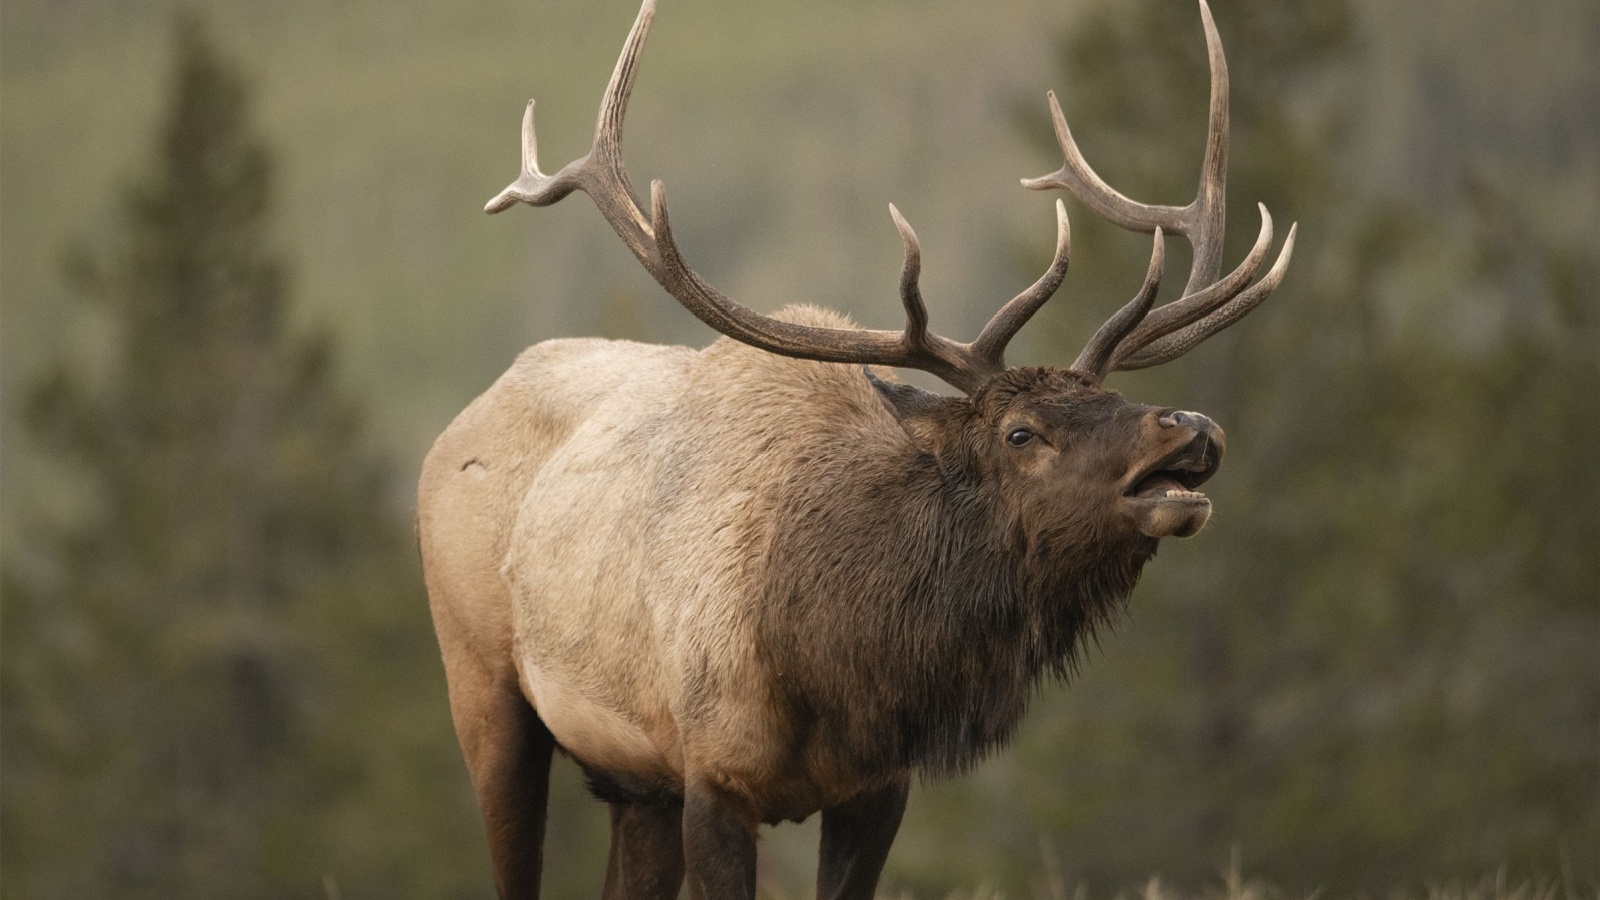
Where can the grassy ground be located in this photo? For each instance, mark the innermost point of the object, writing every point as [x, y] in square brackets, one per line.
[1234, 888]
[1231, 883]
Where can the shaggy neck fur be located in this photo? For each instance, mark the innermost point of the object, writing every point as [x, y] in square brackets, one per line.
[912, 633]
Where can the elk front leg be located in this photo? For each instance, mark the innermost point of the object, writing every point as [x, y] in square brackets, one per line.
[719, 844]
[646, 860]
[855, 842]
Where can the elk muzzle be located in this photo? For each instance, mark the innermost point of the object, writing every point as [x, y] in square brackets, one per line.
[1160, 493]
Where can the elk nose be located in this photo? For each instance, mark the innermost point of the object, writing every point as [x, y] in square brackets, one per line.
[1204, 425]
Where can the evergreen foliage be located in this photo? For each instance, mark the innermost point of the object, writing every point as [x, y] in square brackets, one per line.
[220, 683]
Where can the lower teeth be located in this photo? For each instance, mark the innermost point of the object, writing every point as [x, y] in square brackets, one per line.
[1184, 495]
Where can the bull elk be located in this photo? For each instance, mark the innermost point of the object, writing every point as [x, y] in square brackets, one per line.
[746, 584]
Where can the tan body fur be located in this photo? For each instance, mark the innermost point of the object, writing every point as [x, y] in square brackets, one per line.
[593, 527]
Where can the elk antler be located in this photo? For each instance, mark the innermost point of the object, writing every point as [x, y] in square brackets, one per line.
[601, 175]
[1131, 339]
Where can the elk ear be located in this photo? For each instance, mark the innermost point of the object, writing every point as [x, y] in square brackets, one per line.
[914, 408]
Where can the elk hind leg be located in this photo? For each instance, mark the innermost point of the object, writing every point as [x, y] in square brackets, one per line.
[507, 750]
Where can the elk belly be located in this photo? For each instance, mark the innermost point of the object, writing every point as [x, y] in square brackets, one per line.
[598, 736]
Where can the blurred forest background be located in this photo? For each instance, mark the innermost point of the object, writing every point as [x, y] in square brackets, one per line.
[245, 280]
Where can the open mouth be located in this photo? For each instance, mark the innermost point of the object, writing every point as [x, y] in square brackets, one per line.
[1174, 477]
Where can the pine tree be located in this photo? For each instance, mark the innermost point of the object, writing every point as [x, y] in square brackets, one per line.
[221, 682]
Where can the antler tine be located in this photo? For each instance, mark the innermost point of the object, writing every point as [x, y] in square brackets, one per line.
[1174, 345]
[992, 341]
[1209, 208]
[1172, 316]
[532, 187]
[1080, 179]
[1096, 356]
[916, 333]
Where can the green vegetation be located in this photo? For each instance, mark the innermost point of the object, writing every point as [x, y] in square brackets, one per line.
[1375, 671]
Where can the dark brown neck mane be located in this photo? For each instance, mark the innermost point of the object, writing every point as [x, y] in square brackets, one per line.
[911, 620]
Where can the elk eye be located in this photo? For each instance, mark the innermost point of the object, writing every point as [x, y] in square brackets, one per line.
[1019, 436]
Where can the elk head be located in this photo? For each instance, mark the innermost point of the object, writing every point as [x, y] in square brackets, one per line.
[1065, 450]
